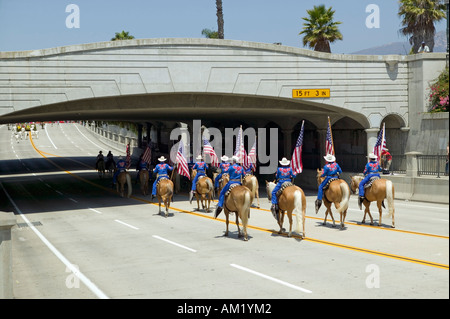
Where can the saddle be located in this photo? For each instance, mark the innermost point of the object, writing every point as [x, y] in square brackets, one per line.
[282, 188]
[370, 182]
[329, 182]
[162, 178]
[231, 187]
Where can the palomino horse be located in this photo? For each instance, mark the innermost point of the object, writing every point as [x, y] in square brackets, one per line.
[164, 192]
[204, 192]
[143, 180]
[338, 193]
[101, 168]
[291, 200]
[123, 178]
[377, 192]
[238, 201]
[252, 183]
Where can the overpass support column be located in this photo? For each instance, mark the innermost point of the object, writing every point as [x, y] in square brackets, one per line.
[372, 134]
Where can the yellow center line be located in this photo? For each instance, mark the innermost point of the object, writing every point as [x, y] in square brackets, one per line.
[319, 241]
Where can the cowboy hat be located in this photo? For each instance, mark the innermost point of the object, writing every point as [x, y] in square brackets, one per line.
[225, 158]
[162, 159]
[329, 158]
[235, 158]
[198, 157]
[284, 161]
[372, 156]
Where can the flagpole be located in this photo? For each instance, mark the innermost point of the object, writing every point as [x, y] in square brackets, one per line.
[331, 133]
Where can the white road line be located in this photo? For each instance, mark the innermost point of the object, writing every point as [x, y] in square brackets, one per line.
[128, 225]
[100, 147]
[174, 243]
[271, 278]
[95, 211]
[46, 132]
[92, 287]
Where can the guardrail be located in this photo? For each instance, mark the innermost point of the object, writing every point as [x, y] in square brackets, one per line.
[432, 165]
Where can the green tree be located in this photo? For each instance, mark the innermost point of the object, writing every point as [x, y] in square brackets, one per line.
[320, 30]
[210, 34]
[418, 18]
[124, 35]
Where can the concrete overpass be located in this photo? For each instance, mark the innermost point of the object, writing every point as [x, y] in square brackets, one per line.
[183, 79]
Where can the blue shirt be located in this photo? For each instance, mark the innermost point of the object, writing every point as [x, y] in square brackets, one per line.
[162, 169]
[236, 172]
[331, 169]
[201, 167]
[372, 168]
[284, 173]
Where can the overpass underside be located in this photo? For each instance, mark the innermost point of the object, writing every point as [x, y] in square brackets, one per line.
[182, 107]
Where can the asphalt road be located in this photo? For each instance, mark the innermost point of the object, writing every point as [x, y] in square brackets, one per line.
[77, 238]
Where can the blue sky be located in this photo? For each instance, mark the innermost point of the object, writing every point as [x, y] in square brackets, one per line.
[38, 24]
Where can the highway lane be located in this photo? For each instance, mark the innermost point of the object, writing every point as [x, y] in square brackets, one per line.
[128, 251]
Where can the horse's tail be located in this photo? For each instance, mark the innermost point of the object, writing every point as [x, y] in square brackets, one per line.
[130, 189]
[246, 207]
[298, 211]
[390, 197]
[210, 184]
[343, 205]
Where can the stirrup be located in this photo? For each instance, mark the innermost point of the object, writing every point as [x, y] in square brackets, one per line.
[217, 211]
[318, 203]
[275, 209]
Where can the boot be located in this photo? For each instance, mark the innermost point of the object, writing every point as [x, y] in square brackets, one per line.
[217, 211]
[360, 201]
[318, 204]
[191, 196]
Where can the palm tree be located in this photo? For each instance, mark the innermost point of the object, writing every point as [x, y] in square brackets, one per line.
[219, 14]
[418, 21]
[210, 34]
[124, 35]
[320, 30]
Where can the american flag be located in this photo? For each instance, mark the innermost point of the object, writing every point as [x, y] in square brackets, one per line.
[380, 145]
[147, 155]
[182, 166]
[252, 156]
[128, 159]
[240, 150]
[329, 146]
[208, 149]
[296, 162]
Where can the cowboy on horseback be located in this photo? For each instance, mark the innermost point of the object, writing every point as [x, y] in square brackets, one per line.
[109, 160]
[161, 171]
[224, 166]
[100, 157]
[372, 169]
[201, 168]
[141, 165]
[121, 167]
[284, 174]
[330, 170]
[236, 173]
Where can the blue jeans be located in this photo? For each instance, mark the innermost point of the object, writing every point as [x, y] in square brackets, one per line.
[364, 182]
[194, 182]
[156, 183]
[275, 190]
[322, 185]
[224, 190]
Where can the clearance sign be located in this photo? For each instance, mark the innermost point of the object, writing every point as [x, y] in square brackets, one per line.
[311, 93]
